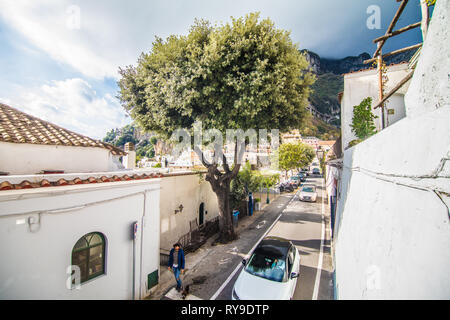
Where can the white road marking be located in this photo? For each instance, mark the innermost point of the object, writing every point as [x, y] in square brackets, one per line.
[319, 264]
[215, 295]
[173, 294]
[261, 224]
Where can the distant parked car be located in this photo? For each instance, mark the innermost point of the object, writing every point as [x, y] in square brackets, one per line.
[271, 273]
[305, 171]
[308, 193]
[302, 177]
[285, 187]
[316, 171]
[295, 181]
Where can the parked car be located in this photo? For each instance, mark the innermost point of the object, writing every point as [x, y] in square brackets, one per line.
[285, 187]
[305, 171]
[308, 193]
[316, 171]
[295, 181]
[270, 273]
[302, 177]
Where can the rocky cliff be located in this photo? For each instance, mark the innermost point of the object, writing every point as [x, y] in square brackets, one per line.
[330, 80]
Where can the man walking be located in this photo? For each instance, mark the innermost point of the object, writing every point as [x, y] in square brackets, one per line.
[176, 263]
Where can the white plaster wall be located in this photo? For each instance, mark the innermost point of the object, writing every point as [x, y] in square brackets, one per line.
[392, 226]
[34, 264]
[24, 158]
[185, 190]
[430, 86]
[363, 84]
[396, 102]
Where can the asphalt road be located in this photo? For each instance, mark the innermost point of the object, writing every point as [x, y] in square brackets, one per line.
[307, 226]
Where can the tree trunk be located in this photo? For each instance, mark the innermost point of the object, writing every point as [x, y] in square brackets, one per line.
[222, 191]
[220, 183]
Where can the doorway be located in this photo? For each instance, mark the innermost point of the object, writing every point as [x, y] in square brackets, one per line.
[201, 214]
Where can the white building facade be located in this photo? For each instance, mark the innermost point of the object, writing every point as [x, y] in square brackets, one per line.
[392, 224]
[363, 84]
[43, 233]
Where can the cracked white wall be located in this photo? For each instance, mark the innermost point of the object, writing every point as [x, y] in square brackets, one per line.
[392, 226]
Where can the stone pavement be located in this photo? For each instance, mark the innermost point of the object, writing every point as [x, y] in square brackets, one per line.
[209, 266]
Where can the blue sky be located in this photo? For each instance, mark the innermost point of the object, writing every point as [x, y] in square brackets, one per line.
[59, 58]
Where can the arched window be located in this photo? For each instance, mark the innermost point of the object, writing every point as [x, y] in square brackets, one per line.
[89, 255]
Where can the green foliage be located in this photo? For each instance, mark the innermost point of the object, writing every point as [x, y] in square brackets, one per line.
[354, 142]
[325, 91]
[118, 137]
[431, 2]
[269, 181]
[157, 165]
[362, 123]
[145, 149]
[246, 181]
[294, 156]
[318, 128]
[243, 74]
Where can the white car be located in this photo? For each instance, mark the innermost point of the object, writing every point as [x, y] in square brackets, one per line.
[308, 193]
[271, 273]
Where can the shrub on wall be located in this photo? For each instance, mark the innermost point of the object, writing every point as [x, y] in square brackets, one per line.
[363, 125]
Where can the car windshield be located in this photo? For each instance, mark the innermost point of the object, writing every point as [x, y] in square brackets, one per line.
[266, 266]
[308, 189]
[294, 178]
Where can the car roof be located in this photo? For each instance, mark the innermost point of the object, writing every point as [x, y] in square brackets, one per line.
[274, 246]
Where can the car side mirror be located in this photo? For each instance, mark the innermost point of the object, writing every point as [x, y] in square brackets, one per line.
[244, 262]
[294, 275]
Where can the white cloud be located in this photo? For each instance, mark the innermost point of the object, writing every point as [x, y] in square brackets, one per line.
[96, 37]
[49, 26]
[74, 105]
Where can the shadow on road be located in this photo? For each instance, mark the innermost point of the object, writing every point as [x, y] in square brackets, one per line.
[300, 217]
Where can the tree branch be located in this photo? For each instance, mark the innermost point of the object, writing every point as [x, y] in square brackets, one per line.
[226, 167]
[199, 153]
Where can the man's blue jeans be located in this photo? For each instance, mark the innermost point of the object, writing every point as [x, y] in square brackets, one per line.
[176, 272]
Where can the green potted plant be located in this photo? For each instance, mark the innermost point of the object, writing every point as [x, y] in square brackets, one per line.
[257, 204]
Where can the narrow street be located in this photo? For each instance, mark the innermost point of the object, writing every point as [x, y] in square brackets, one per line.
[301, 222]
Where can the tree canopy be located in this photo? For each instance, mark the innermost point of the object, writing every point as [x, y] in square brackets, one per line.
[245, 74]
[294, 156]
[239, 75]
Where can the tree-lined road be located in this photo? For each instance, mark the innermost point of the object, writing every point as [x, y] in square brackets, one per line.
[307, 226]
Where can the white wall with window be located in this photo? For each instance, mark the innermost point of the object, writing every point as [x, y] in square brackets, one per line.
[197, 198]
[46, 234]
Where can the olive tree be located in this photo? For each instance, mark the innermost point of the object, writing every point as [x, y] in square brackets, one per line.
[238, 75]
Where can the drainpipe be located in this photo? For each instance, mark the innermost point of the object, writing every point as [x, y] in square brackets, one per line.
[135, 226]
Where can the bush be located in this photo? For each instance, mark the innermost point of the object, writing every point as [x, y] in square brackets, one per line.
[158, 165]
[354, 142]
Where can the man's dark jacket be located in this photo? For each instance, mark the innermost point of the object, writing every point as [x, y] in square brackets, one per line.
[180, 258]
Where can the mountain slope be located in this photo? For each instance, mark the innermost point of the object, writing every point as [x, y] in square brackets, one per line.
[330, 80]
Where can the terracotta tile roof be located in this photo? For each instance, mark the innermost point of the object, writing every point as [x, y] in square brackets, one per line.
[71, 179]
[374, 68]
[327, 142]
[19, 127]
[41, 183]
